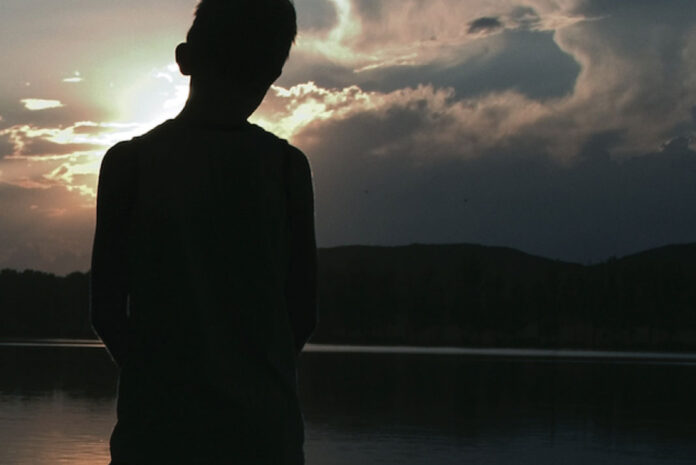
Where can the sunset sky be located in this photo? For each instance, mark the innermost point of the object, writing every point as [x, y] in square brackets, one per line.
[564, 128]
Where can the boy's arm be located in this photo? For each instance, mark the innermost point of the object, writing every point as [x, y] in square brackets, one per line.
[301, 289]
[109, 274]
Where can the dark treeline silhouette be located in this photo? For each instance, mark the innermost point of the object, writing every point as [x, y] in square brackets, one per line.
[470, 295]
[461, 295]
[41, 305]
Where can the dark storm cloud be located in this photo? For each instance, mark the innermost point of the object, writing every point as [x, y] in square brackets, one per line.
[484, 24]
[677, 145]
[640, 53]
[586, 211]
[527, 61]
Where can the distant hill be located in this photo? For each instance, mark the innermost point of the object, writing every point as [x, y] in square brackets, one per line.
[457, 295]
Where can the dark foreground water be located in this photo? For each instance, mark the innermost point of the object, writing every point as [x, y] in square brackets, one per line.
[57, 406]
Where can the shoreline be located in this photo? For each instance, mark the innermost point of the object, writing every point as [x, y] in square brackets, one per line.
[478, 352]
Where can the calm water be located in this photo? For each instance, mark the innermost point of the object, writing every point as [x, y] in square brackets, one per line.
[57, 406]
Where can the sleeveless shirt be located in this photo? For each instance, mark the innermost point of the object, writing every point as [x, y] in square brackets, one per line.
[210, 373]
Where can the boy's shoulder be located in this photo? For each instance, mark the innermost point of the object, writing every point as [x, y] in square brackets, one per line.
[122, 156]
[296, 157]
[128, 146]
[170, 132]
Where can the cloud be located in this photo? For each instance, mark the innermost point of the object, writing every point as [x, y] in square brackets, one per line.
[610, 92]
[35, 104]
[44, 158]
[394, 44]
[77, 106]
[432, 121]
[484, 25]
[106, 134]
[75, 78]
[315, 15]
[678, 144]
[6, 146]
[622, 83]
[524, 18]
[287, 110]
[38, 148]
[30, 141]
[78, 177]
[371, 189]
[527, 61]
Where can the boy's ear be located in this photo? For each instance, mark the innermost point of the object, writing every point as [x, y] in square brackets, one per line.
[183, 58]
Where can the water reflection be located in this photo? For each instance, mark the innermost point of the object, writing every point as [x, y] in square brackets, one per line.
[57, 405]
[53, 428]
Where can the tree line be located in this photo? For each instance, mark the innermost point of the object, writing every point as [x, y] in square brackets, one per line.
[452, 295]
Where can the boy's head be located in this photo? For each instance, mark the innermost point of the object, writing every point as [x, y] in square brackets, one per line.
[245, 42]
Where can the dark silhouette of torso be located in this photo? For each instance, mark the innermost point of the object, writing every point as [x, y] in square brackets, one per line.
[218, 264]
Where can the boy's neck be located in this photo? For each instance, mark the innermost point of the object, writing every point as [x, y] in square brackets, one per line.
[219, 106]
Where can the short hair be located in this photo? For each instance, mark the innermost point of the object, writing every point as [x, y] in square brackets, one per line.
[247, 40]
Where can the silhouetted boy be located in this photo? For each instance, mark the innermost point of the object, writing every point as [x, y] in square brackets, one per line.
[203, 268]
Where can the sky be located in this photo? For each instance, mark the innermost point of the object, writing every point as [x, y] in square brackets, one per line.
[563, 128]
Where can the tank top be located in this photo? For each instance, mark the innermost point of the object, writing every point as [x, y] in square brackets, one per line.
[210, 372]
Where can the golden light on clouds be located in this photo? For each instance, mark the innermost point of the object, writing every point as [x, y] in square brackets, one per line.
[287, 111]
[68, 157]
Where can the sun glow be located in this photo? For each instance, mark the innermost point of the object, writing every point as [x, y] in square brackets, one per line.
[38, 156]
[154, 97]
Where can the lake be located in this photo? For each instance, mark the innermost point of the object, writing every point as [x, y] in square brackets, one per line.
[393, 406]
